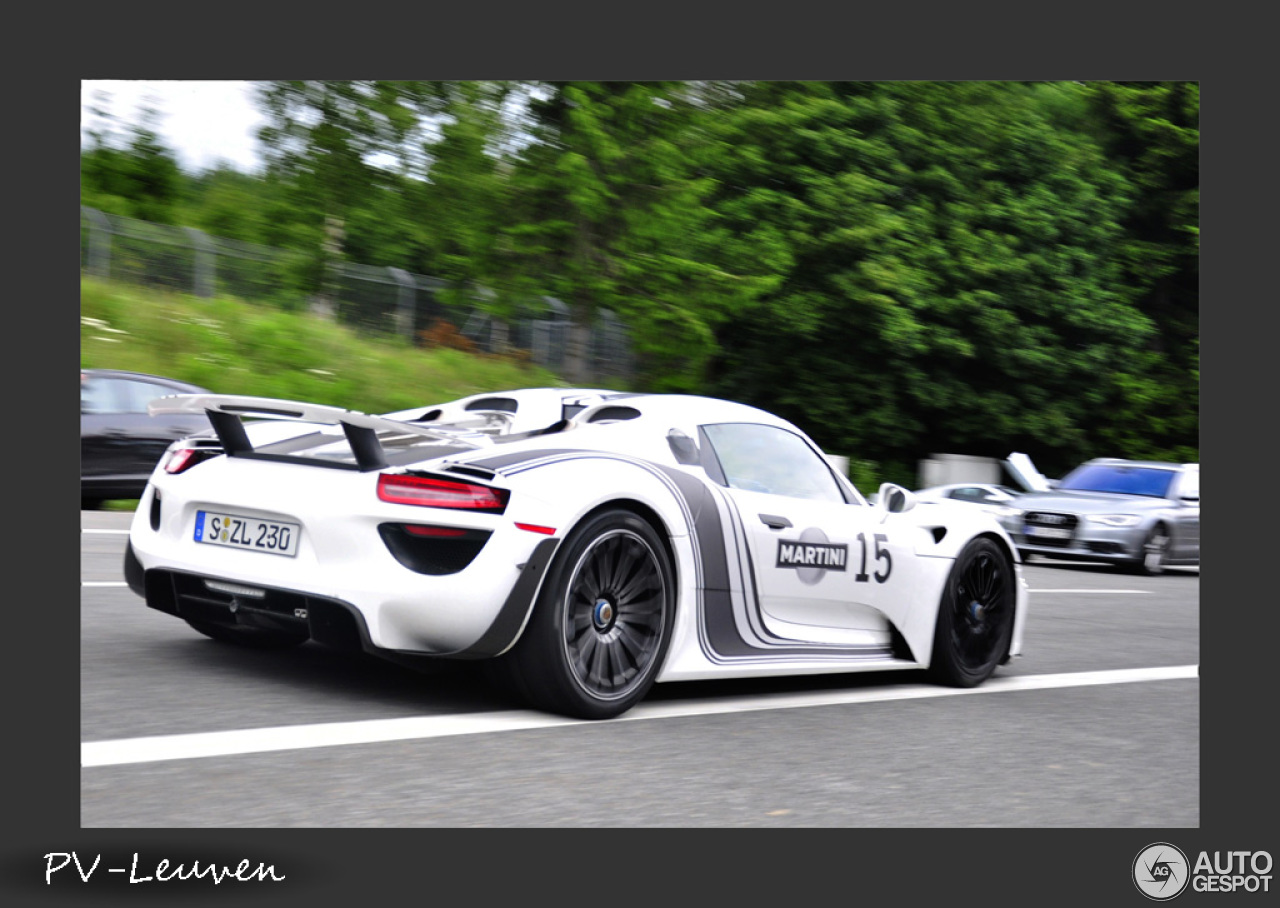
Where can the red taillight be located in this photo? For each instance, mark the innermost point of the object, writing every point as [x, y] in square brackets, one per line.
[414, 529]
[428, 492]
[184, 459]
[179, 460]
[534, 528]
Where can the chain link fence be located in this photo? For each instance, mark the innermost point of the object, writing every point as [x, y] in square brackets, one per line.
[373, 300]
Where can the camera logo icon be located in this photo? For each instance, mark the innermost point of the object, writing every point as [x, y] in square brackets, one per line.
[1161, 871]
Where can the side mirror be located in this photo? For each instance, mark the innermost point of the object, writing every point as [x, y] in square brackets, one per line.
[683, 448]
[895, 499]
[1190, 499]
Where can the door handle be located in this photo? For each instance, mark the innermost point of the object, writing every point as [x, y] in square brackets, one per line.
[774, 522]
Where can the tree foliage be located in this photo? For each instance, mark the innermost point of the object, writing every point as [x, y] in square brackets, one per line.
[947, 276]
[134, 175]
[902, 267]
[609, 215]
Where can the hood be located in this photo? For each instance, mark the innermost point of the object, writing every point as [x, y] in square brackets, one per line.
[1087, 502]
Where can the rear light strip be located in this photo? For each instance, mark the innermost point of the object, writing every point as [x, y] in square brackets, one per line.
[429, 492]
[415, 529]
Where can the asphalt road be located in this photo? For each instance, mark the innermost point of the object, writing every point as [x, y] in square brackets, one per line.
[1051, 741]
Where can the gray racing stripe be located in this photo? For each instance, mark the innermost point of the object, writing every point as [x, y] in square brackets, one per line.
[719, 635]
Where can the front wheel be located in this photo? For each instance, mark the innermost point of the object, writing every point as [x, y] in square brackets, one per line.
[975, 616]
[602, 623]
[1155, 549]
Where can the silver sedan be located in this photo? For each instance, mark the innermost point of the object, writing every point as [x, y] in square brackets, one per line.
[1143, 515]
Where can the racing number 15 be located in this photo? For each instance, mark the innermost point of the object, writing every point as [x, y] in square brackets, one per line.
[882, 554]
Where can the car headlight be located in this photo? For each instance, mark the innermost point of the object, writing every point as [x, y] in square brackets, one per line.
[1007, 513]
[1114, 520]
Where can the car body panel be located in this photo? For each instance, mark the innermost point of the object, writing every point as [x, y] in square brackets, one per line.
[751, 599]
[995, 499]
[120, 441]
[1112, 526]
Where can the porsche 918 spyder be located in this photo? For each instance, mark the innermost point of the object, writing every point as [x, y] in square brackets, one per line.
[585, 543]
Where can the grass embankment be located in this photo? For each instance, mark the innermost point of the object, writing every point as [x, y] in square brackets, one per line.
[233, 347]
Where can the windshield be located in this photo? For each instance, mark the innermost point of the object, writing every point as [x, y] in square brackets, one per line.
[1121, 479]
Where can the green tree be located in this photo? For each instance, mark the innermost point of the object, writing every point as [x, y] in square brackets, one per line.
[1152, 131]
[225, 202]
[947, 266]
[609, 216]
[466, 198]
[341, 151]
[135, 175]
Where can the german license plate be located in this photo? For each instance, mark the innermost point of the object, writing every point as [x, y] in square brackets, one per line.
[1048, 532]
[271, 536]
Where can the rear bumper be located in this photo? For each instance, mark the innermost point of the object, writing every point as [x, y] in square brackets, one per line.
[331, 622]
[344, 585]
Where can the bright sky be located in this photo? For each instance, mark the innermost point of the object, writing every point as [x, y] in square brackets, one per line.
[201, 121]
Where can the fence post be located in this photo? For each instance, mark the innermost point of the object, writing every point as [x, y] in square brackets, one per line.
[204, 257]
[99, 242]
[404, 301]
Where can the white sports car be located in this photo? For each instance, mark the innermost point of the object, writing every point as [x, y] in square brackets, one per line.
[586, 543]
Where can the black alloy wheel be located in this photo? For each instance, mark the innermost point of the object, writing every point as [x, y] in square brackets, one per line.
[975, 616]
[615, 611]
[602, 623]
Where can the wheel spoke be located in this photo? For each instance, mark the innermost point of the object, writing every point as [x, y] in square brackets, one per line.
[614, 613]
[643, 582]
[599, 671]
[583, 648]
[579, 622]
[624, 565]
[635, 639]
[591, 580]
[981, 604]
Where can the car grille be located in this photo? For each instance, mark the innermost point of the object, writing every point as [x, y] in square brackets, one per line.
[1052, 521]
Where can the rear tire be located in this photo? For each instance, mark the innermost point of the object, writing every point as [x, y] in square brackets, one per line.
[975, 616]
[602, 623]
[251, 637]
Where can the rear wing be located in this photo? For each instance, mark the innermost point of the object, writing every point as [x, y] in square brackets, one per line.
[365, 433]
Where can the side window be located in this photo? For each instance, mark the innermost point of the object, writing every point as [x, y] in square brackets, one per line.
[760, 458]
[140, 393]
[98, 395]
[969, 493]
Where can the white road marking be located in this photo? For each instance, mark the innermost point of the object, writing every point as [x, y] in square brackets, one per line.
[1138, 592]
[378, 731]
[1142, 592]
